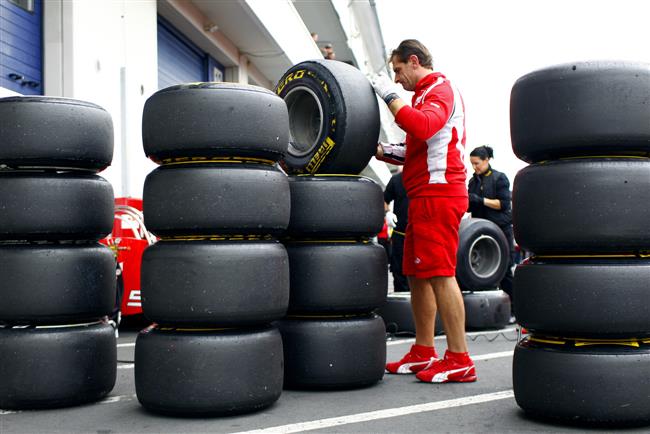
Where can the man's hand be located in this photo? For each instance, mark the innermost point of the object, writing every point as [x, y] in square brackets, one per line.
[380, 151]
[475, 198]
[384, 87]
[391, 219]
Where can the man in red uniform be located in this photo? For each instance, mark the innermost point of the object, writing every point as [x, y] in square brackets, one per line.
[434, 177]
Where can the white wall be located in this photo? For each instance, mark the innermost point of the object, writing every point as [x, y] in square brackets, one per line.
[105, 52]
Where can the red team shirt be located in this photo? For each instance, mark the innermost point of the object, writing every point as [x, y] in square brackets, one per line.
[434, 176]
[435, 140]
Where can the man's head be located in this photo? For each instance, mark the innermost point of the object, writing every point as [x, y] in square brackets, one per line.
[411, 62]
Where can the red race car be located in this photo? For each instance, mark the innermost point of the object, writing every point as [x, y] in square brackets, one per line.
[128, 240]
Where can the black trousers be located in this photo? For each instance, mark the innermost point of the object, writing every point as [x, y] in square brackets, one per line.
[400, 282]
[506, 284]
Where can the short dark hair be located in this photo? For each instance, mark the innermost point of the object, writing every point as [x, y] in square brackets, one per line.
[410, 47]
[483, 152]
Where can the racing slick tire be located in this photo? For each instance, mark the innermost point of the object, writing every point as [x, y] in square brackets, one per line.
[48, 132]
[578, 109]
[584, 297]
[216, 199]
[217, 283]
[333, 118]
[55, 206]
[398, 315]
[334, 278]
[583, 384]
[55, 284]
[56, 366]
[335, 206]
[203, 372]
[483, 255]
[583, 206]
[333, 353]
[486, 309]
[208, 120]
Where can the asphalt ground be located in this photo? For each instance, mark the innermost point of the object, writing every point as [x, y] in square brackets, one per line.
[397, 404]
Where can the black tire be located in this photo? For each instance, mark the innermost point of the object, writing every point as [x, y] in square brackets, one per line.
[208, 372]
[333, 118]
[598, 298]
[216, 199]
[587, 108]
[333, 353]
[605, 384]
[398, 315]
[55, 284]
[215, 283]
[50, 206]
[215, 119]
[588, 206]
[333, 206]
[486, 309]
[483, 255]
[54, 132]
[56, 367]
[337, 278]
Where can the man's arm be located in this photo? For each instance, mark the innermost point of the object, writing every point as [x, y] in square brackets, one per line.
[425, 122]
[391, 153]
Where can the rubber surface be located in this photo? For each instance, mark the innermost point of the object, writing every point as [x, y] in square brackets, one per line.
[56, 367]
[335, 206]
[215, 119]
[333, 353]
[54, 132]
[55, 284]
[585, 205]
[337, 277]
[216, 199]
[584, 297]
[344, 136]
[486, 309]
[583, 384]
[584, 108]
[55, 206]
[398, 315]
[215, 283]
[220, 372]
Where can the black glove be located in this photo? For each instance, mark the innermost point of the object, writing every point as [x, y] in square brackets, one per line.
[475, 198]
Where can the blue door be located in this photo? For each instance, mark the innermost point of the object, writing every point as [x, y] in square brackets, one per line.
[180, 61]
[21, 46]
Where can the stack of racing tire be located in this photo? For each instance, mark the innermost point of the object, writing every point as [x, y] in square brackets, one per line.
[57, 346]
[218, 277]
[482, 261]
[581, 208]
[332, 340]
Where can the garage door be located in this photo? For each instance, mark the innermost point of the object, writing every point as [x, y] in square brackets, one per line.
[180, 61]
[21, 46]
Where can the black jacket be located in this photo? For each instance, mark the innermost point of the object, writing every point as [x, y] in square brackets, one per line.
[395, 191]
[492, 185]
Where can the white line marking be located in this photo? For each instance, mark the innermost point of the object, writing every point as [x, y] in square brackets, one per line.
[109, 400]
[493, 355]
[383, 414]
[128, 344]
[3, 412]
[494, 332]
[112, 399]
[126, 366]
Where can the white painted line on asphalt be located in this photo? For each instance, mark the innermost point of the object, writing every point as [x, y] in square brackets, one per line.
[382, 414]
[493, 355]
[119, 398]
[128, 344]
[126, 366]
[492, 332]
[3, 412]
